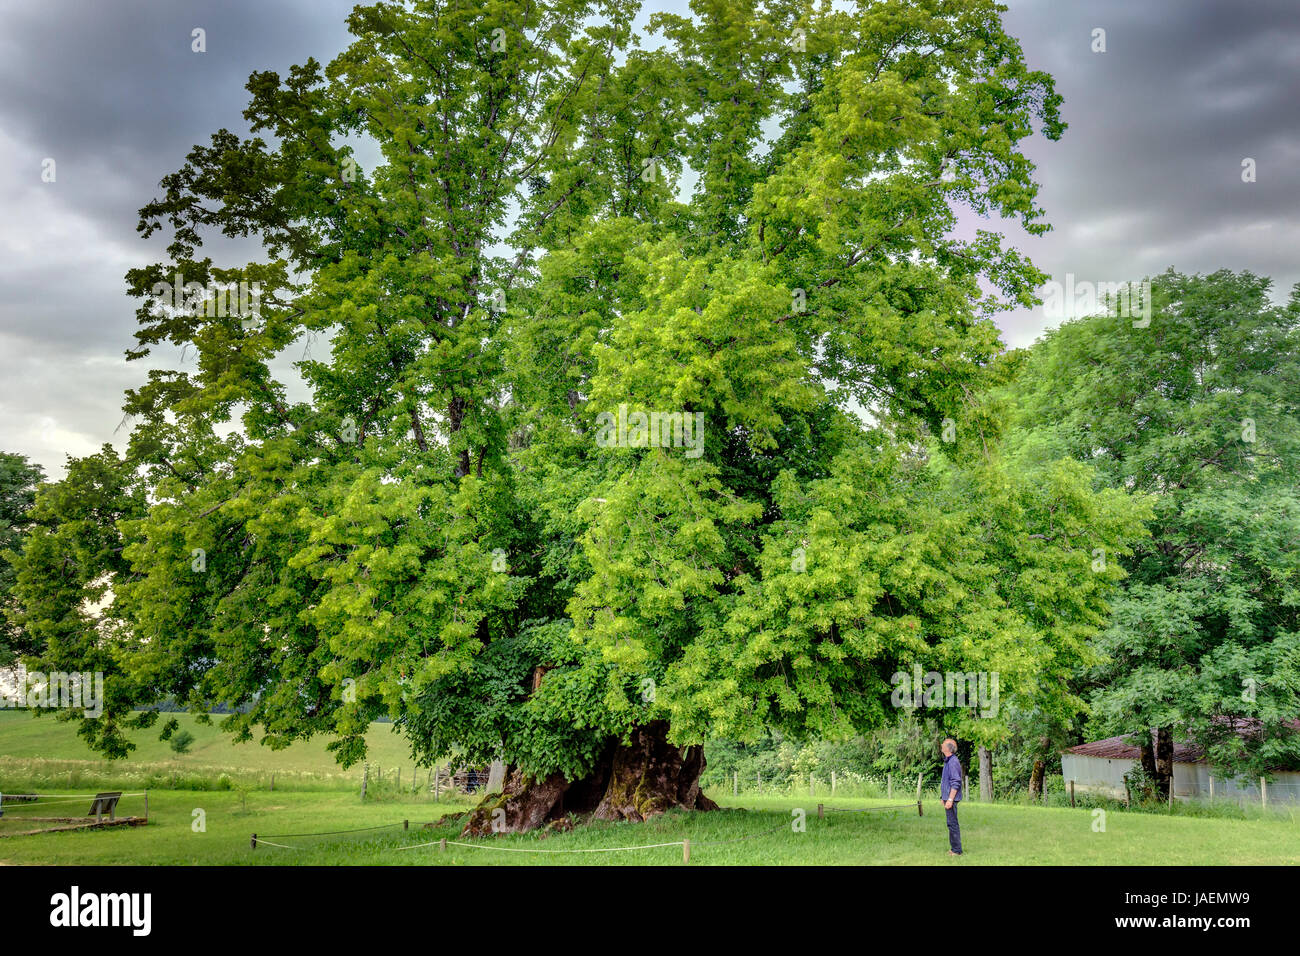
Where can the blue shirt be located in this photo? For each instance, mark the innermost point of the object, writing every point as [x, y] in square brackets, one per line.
[951, 778]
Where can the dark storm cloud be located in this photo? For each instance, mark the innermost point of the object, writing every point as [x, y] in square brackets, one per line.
[114, 93]
[1149, 173]
[1147, 176]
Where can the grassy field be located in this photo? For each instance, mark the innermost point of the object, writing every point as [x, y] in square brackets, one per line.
[761, 834]
[24, 738]
[752, 829]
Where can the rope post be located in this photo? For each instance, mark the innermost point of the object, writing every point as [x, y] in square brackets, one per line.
[686, 851]
[919, 813]
[442, 845]
[1071, 793]
[253, 842]
[406, 824]
[918, 787]
[820, 811]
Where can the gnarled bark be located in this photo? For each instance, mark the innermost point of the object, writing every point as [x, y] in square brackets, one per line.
[632, 781]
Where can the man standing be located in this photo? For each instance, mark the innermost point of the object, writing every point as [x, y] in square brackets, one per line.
[950, 790]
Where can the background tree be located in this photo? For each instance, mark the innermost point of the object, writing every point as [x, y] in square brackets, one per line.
[1198, 409]
[65, 579]
[18, 481]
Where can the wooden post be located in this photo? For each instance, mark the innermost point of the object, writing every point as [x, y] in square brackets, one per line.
[832, 783]
[919, 812]
[406, 824]
[820, 812]
[1263, 793]
[918, 788]
[686, 851]
[889, 784]
[1071, 793]
[442, 845]
[253, 841]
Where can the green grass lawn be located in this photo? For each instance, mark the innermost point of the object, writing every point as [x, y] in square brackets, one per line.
[27, 738]
[997, 834]
[312, 795]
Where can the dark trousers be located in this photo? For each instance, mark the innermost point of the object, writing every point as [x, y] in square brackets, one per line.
[954, 831]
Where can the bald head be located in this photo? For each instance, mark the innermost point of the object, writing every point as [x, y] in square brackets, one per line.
[949, 746]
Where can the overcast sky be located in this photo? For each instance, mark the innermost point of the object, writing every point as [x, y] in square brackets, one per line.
[1148, 175]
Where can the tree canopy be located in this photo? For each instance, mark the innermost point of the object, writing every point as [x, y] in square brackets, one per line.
[1198, 409]
[746, 230]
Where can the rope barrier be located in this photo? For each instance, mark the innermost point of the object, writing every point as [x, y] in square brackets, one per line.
[898, 806]
[382, 826]
[524, 849]
[780, 826]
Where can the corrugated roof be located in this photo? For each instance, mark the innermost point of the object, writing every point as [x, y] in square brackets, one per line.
[1122, 747]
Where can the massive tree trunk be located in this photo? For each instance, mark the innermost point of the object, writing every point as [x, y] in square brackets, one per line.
[496, 777]
[631, 781]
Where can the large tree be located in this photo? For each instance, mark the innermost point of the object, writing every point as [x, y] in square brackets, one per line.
[1197, 405]
[446, 534]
